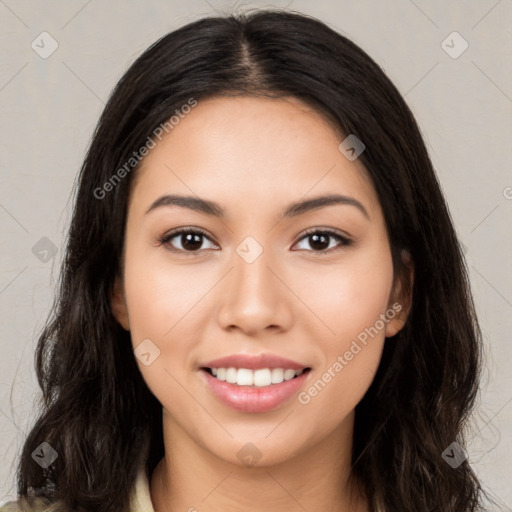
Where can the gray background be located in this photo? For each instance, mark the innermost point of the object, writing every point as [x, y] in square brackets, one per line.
[50, 107]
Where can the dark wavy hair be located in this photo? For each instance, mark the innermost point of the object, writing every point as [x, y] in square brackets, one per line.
[96, 410]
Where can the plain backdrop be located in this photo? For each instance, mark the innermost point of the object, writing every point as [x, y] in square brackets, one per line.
[461, 97]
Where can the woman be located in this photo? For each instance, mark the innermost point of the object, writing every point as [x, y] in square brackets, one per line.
[263, 305]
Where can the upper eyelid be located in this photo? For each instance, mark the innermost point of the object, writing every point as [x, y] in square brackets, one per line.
[330, 231]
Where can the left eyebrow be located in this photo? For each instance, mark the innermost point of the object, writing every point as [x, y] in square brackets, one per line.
[292, 210]
[319, 202]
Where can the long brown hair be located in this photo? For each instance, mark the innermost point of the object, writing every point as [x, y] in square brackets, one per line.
[97, 412]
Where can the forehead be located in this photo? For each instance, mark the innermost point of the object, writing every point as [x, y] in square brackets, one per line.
[249, 149]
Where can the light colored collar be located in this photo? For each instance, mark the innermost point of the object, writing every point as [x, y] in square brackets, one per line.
[140, 499]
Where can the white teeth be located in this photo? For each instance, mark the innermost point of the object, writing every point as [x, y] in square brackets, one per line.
[231, 375]
[289, 374]
[277, 375]
[260, 378]
[245, 377]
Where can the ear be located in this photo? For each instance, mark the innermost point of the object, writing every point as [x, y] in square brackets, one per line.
[118, 304]
[401, 297]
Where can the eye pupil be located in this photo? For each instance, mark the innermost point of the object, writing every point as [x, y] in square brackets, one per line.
[320, 239]
[191, 241]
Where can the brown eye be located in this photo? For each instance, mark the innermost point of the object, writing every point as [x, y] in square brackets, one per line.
[191, 240]
[185, 240]
[320, 240]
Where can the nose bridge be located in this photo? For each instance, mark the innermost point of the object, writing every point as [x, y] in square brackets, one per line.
[252, 299]
[252, 280]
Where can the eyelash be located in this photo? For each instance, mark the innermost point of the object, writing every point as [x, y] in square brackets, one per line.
[344, 241]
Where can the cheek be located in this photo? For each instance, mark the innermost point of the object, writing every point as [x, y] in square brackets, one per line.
[168, 306]
[340, 385]
[164, 314]
[347, 298]
[352, 302]
[349, 361]
[164, 300]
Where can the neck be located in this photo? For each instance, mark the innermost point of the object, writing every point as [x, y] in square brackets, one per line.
[190, 478]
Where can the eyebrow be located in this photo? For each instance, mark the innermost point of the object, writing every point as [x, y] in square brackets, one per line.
[294, 209]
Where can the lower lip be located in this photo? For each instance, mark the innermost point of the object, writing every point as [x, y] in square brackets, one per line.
[253, 398]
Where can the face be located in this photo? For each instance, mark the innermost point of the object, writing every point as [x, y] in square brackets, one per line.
[265, 322]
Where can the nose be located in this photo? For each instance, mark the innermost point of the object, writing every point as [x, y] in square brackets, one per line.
[255, 297]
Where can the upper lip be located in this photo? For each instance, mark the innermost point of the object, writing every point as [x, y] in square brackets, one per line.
[254, 362]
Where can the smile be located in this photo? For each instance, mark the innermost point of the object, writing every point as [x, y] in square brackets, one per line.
[260, 378]
[254, 383]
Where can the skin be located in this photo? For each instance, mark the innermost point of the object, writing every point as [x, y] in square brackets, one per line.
[254, 157]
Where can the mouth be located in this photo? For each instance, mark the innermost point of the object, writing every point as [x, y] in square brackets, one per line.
[259, 378]
[254, 390]
[254, 383]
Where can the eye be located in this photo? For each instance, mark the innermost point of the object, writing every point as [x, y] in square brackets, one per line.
[188, 239]
[191, 239]
[319, 239]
